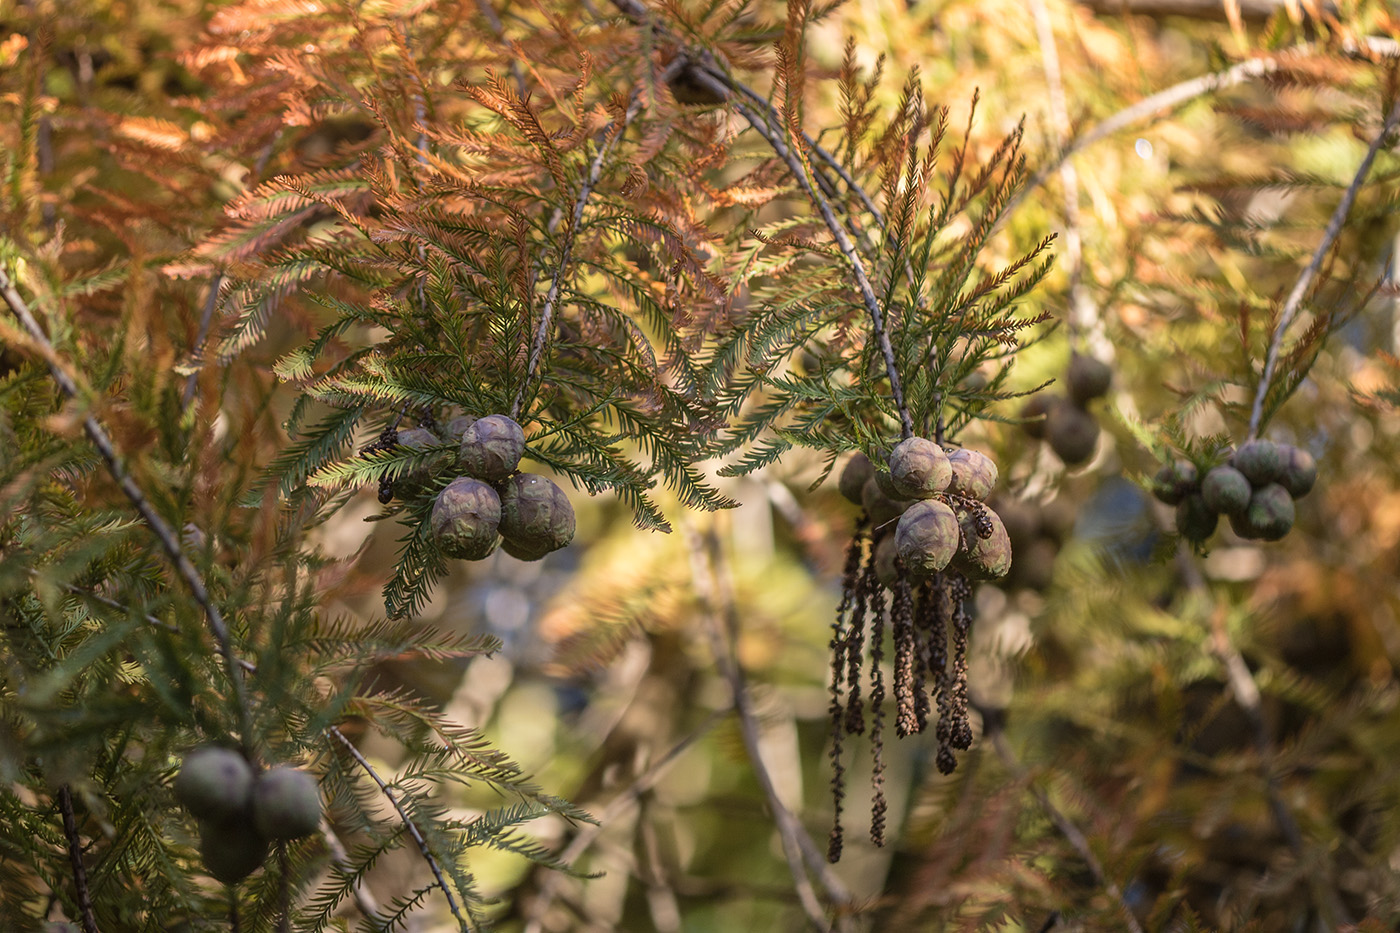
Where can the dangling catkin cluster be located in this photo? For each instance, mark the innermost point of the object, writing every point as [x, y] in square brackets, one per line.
[924, 534]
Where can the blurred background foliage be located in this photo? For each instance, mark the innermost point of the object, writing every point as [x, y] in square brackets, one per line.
[1221, 728]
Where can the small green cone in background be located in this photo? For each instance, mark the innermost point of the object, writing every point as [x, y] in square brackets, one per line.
[1195, 520]
[1299, 471]
[231, 849]
[858, 469]
[1261, 462]
[1073, 434]
[1174, 482]
[1226, 490]
[1087, 379]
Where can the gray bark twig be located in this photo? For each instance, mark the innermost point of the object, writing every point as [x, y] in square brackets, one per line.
[75, 857]
[595, 171]
[409, 825]
[766, 125]
[1179, 94]
[1072, 833]
[589, 833]
[169, 540]
[712, 585]
[1294, 301]
[1082, 310]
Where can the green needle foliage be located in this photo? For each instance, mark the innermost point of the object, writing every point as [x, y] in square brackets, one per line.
[246, 245]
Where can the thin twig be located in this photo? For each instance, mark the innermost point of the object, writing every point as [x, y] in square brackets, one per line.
[408, 823]
[493, 20]
[1300, 288]
[248, 666]
[1183, 93]
[595, 171]
[169, 541]
[1064, 824]
[715, 79]
[75, 856]
[713, 588]
[848, 249]
[1082, 310]
[589, 833]
[284, 890]
[661, 895]
[1245, 689]
[206, 317]
[364, 898]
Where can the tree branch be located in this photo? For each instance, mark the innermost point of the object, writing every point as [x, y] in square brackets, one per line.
[364, 898]
[408, 823]
[1245, 689]
[1300, 288]
[1071, 832]
[710, 579]
[848, 249]
[595, 172]
[714, 78]
[1183, 93]
[1252, 10]
[169, 541]
[1083, 312]
[75, 857]
[589, 833]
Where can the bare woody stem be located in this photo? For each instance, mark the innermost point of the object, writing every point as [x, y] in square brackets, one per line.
[364, 897]
[1064, 824]
[615, 808]
[75, 856]
[551, 299]
[715, 79]
[169, 541]
[1082, 312]
[408, 823]
[1177, 95]
[1300, 288]
[1249, 699]
[716, 598]
[848, 249]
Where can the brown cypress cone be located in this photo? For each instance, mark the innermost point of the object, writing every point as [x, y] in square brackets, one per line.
[850, 578]
[961, 736]
[878, 806]
[902, 624]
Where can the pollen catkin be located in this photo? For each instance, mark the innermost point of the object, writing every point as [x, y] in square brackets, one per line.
[836, 709]
[902, 624]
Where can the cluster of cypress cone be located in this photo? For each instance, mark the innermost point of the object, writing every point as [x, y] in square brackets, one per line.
[933, 499]
[1065, 422]
[240, 813]
[1255, 489]
[924, 535]
[493, 504]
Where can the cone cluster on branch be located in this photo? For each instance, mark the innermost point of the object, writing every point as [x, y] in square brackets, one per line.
[240, 813]
[493, 504]
[1255, 489]
[931, 499]
[924, 535]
